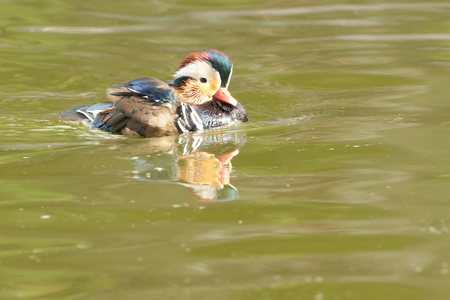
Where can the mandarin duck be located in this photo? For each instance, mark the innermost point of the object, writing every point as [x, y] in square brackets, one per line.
[197, 99]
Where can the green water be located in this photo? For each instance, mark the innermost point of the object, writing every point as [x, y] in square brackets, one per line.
[339, 186]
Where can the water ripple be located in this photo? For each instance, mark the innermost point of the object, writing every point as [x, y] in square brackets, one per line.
[160, 23]
[290, 11]
[87, 30]
[377, 38]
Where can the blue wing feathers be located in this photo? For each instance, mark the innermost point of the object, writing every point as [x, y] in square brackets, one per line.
[153, 89]
[98, 123]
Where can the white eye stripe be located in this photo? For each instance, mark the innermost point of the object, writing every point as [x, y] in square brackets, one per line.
[198, 69]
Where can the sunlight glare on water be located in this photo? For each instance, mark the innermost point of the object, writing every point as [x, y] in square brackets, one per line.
[336, 188]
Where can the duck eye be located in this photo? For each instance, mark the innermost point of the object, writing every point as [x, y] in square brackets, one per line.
[203, 80]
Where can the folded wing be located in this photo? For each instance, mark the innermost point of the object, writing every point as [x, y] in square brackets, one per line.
[144, 106]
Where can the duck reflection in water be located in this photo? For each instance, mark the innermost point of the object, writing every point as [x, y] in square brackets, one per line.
[201, 162]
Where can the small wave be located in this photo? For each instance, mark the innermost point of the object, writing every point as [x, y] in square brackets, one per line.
[377, 38]
[85, 30]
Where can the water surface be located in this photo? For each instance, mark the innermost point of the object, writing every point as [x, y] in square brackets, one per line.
[337, 187]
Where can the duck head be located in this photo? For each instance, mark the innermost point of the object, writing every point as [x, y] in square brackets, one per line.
[204, 76]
